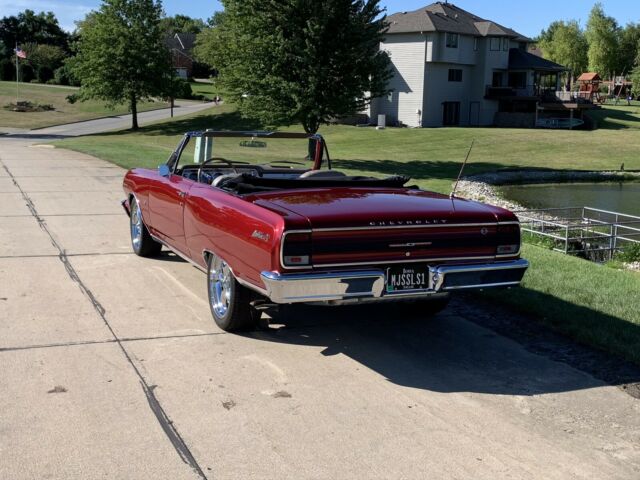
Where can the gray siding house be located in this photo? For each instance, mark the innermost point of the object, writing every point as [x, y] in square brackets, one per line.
[451, 67]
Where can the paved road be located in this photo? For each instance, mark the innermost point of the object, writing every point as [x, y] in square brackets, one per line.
[116, 122]
[112, 368]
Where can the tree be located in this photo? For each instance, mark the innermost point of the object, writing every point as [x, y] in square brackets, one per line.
[602, 36]
[629, 47]
[298, 61]
[29, 27]
[565, 43]
[44, 59]
[635, 81]
[121, 54]
[182, 24]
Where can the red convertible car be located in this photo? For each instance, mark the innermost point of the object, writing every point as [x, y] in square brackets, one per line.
[258, 212]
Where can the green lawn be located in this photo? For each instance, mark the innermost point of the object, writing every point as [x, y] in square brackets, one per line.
[206, 89]
[618, 117]
[432, 157]
[64, 112]
[591, 303]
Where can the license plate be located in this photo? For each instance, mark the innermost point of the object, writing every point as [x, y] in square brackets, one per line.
[412, 277]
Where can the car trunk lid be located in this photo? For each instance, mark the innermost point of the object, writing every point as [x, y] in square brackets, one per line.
[353, 226]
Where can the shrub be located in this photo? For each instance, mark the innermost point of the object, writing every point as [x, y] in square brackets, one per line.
[182, 89]
[26, 73]
[630, 254]
[64, 76]
[44, 74]
[7, 69]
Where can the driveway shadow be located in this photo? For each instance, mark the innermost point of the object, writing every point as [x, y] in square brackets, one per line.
[452, 351]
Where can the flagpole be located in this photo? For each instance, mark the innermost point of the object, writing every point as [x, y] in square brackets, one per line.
[17, 76]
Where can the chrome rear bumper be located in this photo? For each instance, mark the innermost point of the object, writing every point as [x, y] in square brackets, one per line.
[370, 284]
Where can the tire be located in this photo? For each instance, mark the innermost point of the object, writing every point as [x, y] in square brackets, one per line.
[229, 301]
[141, 242]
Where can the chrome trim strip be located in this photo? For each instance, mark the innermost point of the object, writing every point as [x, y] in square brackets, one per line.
[324, 286]
[484, 285]
[520, 263]
[385, 262]
[410, 244]
[438, 274]
[507, 255]
[395, 227]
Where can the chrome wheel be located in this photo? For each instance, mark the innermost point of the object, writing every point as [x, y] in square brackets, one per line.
[136, 226]
[220, 289]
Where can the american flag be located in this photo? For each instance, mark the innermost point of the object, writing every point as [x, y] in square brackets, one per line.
[20, 53]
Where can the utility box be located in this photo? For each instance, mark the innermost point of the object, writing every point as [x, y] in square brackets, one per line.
[382, 122]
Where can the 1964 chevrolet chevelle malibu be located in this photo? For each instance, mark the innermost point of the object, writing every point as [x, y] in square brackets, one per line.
[269, 230]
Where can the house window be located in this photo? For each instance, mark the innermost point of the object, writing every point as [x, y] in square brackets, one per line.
[505, 44]
[450, 113]
[494, 44]
[452, 40]
[522, 46]
[518, 79]
[475, 44]
[455, 75]
[496, 80]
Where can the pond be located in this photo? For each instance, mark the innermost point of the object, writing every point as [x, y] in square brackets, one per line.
[617, 197]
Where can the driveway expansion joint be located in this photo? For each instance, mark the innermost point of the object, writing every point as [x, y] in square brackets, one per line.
[163, 419]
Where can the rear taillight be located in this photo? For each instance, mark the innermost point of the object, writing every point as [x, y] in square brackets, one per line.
[296, 250]
[508, 239]
[507, 249]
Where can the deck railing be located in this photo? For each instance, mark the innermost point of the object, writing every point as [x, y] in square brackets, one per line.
[584, 231]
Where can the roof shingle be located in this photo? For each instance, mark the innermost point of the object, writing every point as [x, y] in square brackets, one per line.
[446, 17]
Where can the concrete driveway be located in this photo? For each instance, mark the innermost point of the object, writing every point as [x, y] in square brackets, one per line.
[111, 367]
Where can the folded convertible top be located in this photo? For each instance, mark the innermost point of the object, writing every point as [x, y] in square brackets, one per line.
[247, 183]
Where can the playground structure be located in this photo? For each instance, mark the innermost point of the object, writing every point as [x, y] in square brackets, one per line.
[589, 87]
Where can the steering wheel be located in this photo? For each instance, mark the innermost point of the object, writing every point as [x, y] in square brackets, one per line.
[211, 160]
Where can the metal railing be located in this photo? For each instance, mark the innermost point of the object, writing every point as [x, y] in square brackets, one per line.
[583, 231]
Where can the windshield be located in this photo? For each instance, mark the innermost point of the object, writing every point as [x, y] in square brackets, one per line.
[285, 150]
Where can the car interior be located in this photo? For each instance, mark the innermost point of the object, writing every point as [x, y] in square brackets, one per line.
[244, 178]
[237, 165]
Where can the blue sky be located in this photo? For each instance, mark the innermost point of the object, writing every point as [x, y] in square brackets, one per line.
[527, 17]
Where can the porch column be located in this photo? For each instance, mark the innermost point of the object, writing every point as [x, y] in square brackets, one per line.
[571, 119]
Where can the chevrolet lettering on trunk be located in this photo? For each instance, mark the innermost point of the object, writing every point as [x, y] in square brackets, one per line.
[269, 221]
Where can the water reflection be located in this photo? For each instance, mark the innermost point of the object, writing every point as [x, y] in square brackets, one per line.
[618, 197]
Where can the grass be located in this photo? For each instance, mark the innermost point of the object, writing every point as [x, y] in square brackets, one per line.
[208, 90]
[618, 117]
[64, 112]
[431, 157]
[586, 301]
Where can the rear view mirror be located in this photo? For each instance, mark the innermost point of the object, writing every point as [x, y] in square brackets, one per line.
[164, 171]
[253, 143]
